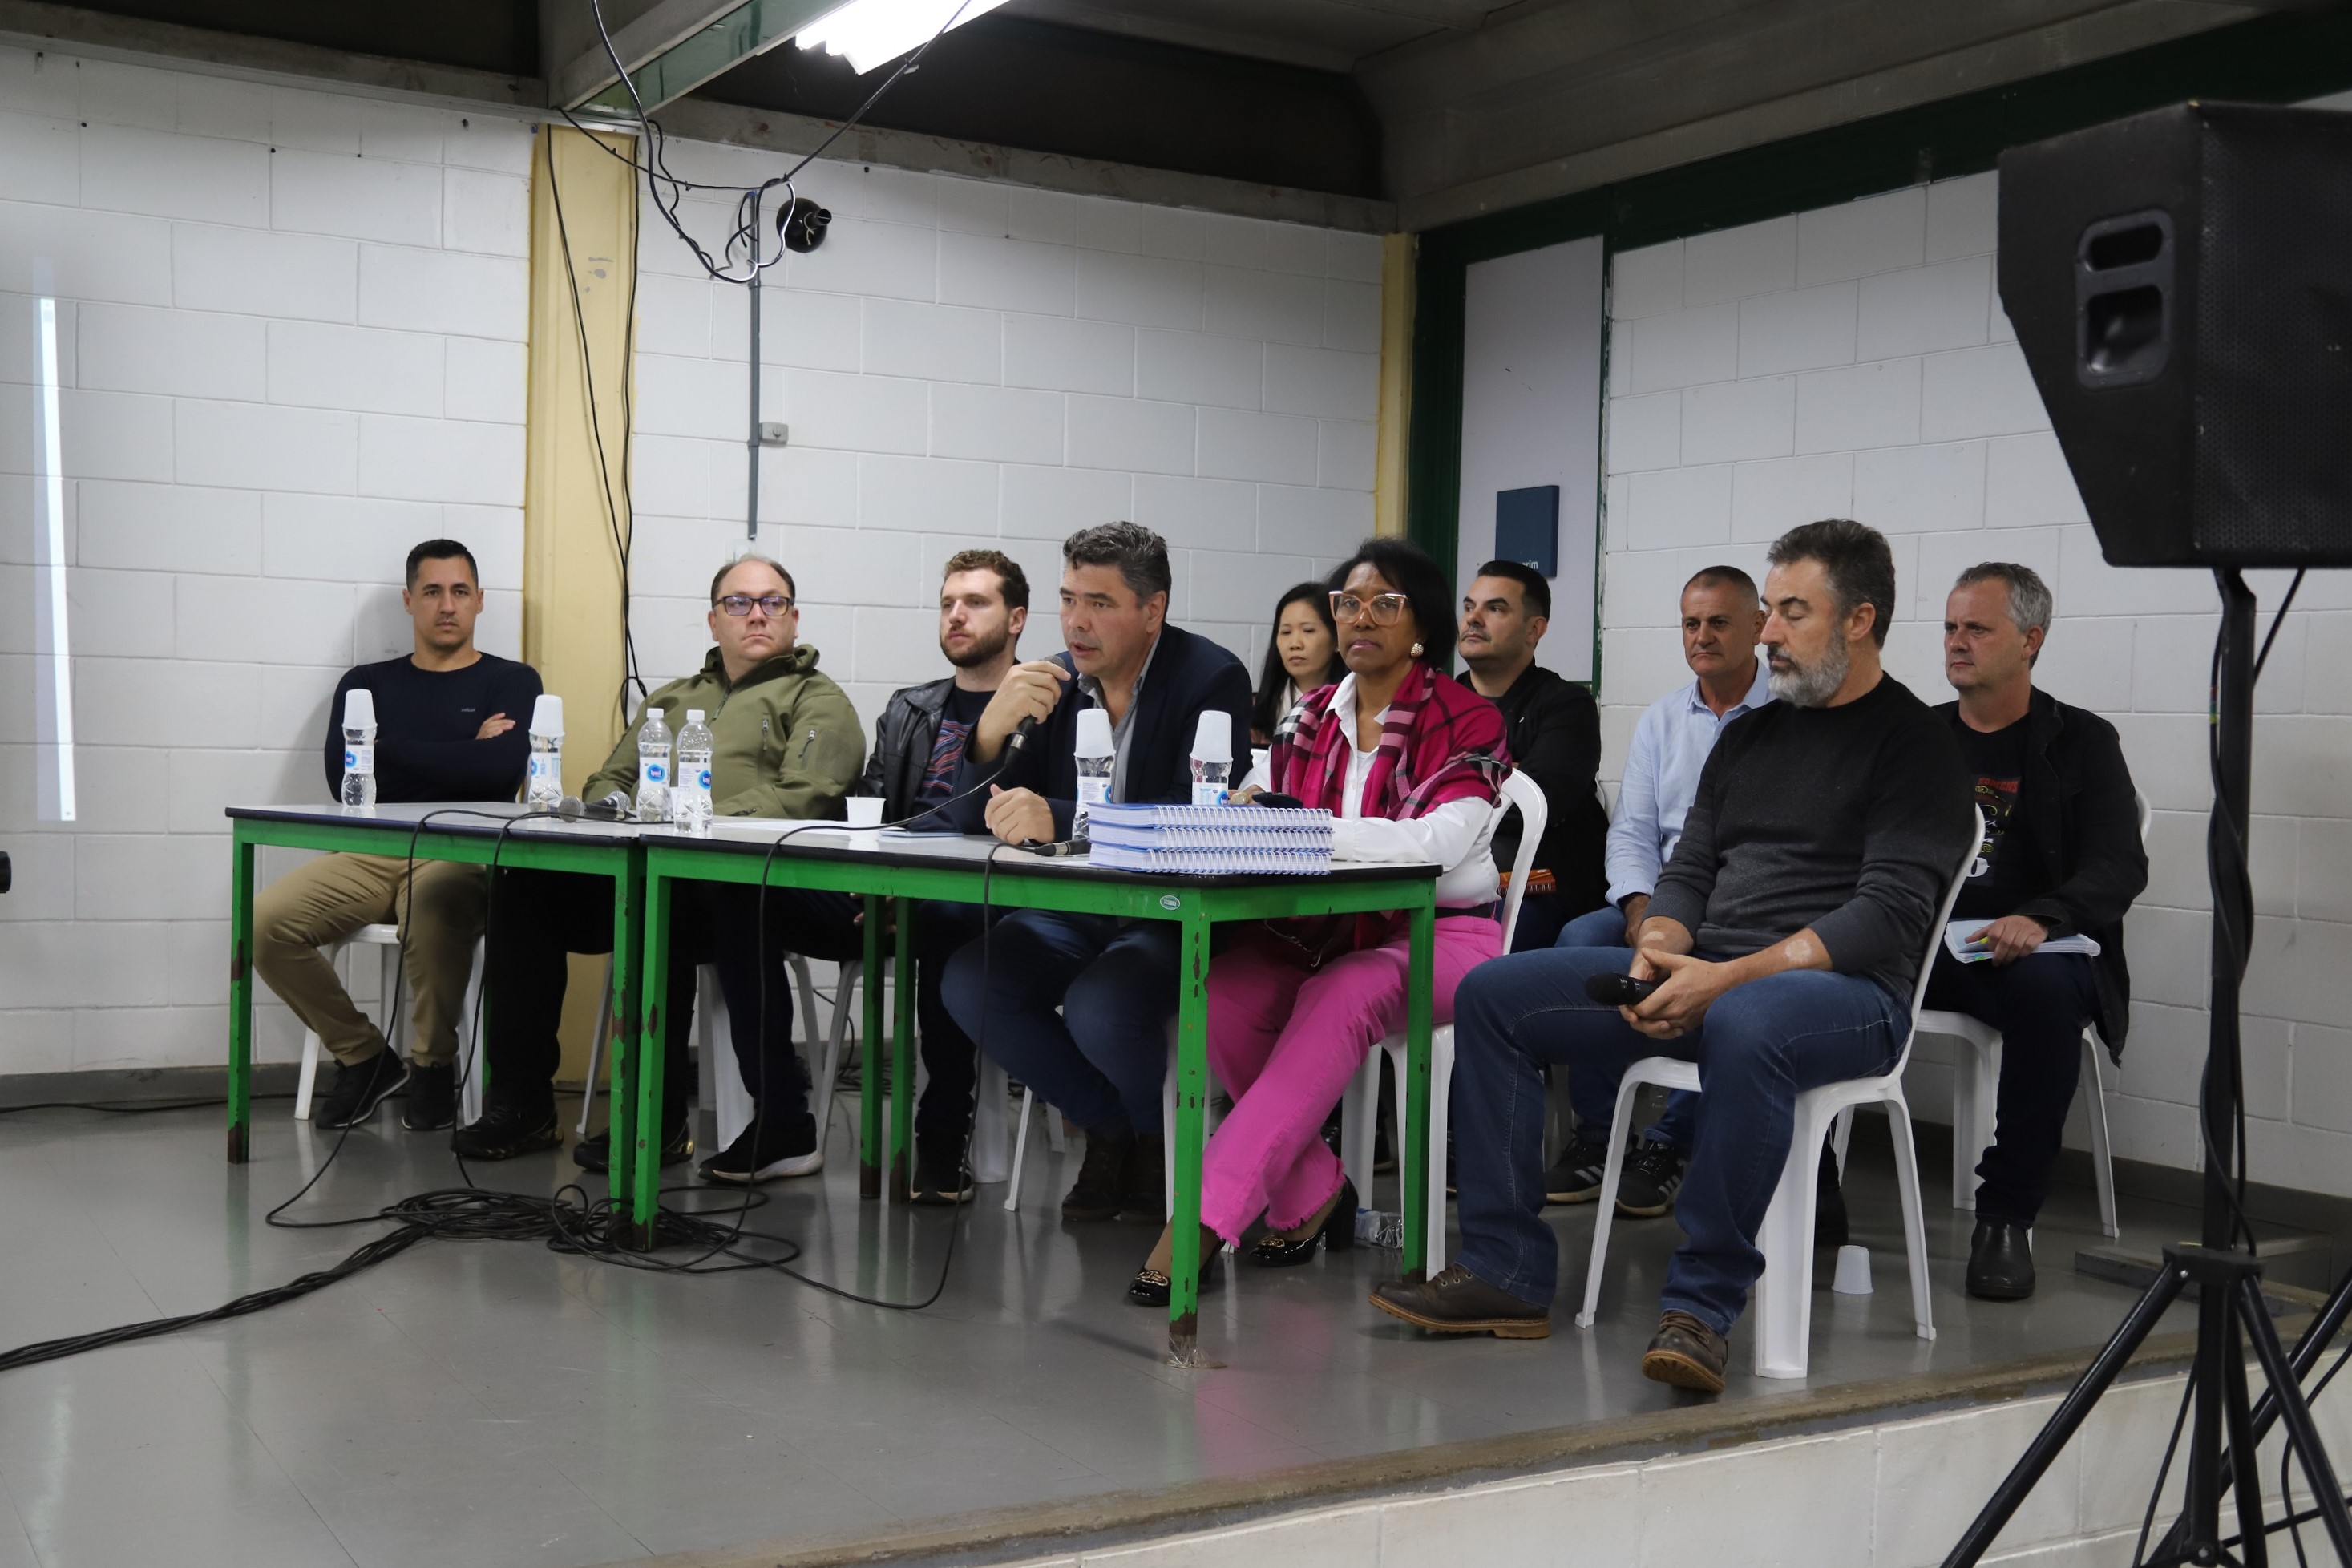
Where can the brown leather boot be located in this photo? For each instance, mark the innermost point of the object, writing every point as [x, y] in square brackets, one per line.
[1145, 1201]
[1686, 1353]
[1458, 1302]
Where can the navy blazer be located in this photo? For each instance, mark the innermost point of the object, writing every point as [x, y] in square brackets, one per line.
[1189, 676]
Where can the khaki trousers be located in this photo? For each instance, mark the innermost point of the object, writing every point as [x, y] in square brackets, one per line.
[440, 911]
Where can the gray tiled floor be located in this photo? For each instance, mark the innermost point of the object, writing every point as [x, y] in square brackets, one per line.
[496, 1403]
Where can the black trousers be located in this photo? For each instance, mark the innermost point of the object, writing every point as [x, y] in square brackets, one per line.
[943, 1114]
[539, 917]
[2040, 1005]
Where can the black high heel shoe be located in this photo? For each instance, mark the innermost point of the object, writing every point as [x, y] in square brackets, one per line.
[1337, 1232]
[1150, 1287]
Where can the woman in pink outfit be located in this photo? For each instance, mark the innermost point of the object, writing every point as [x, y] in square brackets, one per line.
[1407, 758]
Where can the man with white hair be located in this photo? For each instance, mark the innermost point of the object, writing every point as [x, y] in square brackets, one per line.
[2061, 857]
[1786, 933]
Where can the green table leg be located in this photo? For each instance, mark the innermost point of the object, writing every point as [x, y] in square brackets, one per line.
[1192, 1101]
[240, 998]
[1417, 1152]
[869, 1072]
[902, 1061]
[641, 916]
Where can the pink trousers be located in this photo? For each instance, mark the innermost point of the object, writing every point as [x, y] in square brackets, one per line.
[1284, 1042]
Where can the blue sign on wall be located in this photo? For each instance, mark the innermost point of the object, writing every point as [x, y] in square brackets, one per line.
[1527, 527]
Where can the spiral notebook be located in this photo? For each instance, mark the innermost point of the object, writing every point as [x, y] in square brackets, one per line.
[1210, 840]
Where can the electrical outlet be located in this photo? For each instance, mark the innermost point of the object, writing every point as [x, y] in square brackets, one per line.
[774, 433]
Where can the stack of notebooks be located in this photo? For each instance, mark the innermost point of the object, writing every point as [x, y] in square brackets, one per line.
[1210, 840]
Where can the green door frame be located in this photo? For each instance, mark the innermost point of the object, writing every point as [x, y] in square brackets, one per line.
[2278, 59]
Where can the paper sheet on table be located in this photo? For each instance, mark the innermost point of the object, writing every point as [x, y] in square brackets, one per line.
[1957, 934]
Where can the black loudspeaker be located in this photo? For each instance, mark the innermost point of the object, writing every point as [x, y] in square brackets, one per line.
[2182, 284]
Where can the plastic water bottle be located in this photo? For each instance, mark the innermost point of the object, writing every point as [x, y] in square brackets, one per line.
[689, 790]
[1379, 1228]
[359, 749]
[653, 768]
[544, 791]
[1096, 758]
[1212, 758]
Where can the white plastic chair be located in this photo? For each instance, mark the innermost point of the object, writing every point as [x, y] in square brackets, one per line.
[385, 938]
[1360, 1107]
[723, 1081]
[1976, 1091]
[1783, 1300]
[993, 1081]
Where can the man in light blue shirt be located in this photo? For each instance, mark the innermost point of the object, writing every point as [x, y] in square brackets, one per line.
[1722, 616]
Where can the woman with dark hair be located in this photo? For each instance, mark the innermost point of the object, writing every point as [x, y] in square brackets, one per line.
[1407, 760]
[1302, 656]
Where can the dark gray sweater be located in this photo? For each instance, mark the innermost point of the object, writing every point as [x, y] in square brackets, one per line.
[1849, 820]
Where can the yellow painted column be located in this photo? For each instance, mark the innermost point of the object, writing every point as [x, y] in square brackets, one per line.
[576, 518]
[1399, 253]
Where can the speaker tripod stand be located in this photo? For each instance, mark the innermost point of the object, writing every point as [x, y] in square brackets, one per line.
[2225, 1427]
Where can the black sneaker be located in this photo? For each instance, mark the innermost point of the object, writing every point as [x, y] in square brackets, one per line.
[357, 1091]
[432, 1102]
[1576, 1176]
[505, 1130]
[784, 1146]
[595, 1153]
[1652, 1174]
[1101, 1187]
[942, 1178]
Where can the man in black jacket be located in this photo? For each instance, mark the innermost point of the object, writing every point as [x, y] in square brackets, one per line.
[918, 749]
[2061, 857]
[1554, 731]
[1101, 1059]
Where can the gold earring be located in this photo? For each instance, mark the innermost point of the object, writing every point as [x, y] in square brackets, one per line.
[1416, 650]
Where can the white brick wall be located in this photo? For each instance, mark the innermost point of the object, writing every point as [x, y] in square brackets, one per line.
[290, 345]
[965, 363]
[1855, 362]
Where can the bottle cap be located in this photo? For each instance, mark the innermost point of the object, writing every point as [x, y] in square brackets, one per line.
[1214, 740]
[359, 708]
[1094, 733]
[547, 716]
[694, 715]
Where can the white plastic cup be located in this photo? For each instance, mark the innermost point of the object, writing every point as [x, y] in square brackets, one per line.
[1853, 1272]
[1094, 733]
[359, 708]
[1212, 741]
[547, 715]
[864, 810]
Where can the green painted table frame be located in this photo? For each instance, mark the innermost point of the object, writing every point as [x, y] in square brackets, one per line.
[1016, 882]
[469, 841]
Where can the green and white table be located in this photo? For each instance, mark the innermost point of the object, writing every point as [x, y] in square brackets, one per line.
[883, 863]
[591, 849]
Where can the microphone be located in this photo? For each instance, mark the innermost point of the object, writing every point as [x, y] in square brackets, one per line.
[1020, 736]
[571, 808]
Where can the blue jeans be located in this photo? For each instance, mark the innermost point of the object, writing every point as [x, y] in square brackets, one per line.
[1592, 1093]
[1759, 1046]
[1100, 1060]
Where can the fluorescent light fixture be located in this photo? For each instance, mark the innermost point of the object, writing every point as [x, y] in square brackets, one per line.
[870, 33]
[53, 656]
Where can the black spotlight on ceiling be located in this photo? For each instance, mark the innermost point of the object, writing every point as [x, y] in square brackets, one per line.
[802, 225]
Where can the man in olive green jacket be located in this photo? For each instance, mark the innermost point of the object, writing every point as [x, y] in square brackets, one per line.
[785, 743]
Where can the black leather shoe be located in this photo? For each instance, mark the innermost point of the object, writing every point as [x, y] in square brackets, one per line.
[1100, 1190]
[1337, 1232]
[1150, 1287]
[2001, 1262]
[1830, 1227]
[1686, 1353]
[432, 1102]
[504, 1131]
[595, 1153]
[1458, 1302]
[356, 1092]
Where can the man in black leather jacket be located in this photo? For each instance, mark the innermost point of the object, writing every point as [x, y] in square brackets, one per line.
[2061, 857]
[918, 749]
